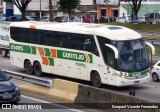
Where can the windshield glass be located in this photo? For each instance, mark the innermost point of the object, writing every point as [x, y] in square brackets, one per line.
[132, 55]
[3, 77]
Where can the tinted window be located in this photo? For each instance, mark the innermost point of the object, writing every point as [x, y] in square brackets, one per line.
[107, 52]
[57, 39]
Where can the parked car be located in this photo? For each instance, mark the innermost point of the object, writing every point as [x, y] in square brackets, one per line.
[103, 19]
[2, 18]
[75, 19]
[86, 19]
[44, 18]
[61, 19]
[11, 18]
[155, 72]
[33, 18]
[124, 19]
[9, 92]
[157, 21]
[150, 17]
[141, 19]
[20, 19]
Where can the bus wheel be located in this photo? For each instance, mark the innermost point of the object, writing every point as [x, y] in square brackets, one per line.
[4, 53]
[37, 69]
[28, 67]
[155, 77]
[96, 80]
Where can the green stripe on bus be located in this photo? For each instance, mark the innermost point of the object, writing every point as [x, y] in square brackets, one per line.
[33, 50]
[51, 61]
[141, 73]
[91, 58]
[47, 52]
[20, 48]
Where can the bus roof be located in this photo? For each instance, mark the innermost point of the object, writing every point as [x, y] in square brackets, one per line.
[108, 31]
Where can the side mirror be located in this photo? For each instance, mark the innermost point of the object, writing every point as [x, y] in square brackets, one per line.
[114, 49]
[151, 46]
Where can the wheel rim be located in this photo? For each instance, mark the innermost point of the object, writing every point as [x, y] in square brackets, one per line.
[3, 53]
[96, 79]
[37, 68]
[155, 77]
[28, 67]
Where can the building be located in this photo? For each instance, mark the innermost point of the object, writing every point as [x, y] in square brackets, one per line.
[107, 8]
[114, 8]
[41, 8]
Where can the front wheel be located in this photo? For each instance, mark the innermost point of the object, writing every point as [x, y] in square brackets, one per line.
[28, 67]
[37, 69]
[155, 77]
[95, 79]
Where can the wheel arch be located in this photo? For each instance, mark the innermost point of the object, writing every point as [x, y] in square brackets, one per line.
[92, 71]
[25, 60]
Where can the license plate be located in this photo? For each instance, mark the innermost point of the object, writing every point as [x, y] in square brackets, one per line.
[7, 96]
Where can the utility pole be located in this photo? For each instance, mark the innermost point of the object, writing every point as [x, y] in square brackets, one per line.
[50, 11]
[40, 10]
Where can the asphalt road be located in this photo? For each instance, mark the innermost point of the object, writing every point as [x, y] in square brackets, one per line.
[149, 91]
[43, 104]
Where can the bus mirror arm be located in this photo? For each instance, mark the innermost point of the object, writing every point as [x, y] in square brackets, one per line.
[114, 49]
[151, 46]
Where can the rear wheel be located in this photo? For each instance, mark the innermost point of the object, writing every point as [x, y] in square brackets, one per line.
[37, 69]
[4, 53]
[28, 67]
[95, 79]
[155, 77]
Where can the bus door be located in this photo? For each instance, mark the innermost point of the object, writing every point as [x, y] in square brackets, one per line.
[109, 58]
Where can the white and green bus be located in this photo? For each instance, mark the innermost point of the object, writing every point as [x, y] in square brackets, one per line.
[98, 53]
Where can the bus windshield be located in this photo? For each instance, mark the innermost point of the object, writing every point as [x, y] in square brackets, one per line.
[133, 55]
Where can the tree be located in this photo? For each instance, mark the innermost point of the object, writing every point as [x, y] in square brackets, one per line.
[135, 6]
[50, 11]
[21, 5]
[68, 5]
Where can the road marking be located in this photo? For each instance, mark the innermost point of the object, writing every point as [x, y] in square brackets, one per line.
[42, 101]
[146, 85]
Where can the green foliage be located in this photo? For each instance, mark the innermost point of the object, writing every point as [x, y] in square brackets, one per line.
[68, 5]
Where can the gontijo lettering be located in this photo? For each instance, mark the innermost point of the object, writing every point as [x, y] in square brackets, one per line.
[73, 56]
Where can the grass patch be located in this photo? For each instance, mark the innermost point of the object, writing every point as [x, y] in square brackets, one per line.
[140, 26]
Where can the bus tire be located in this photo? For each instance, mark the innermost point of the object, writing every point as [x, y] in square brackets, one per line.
[4, 53]
[28, 67]
[95, 79]
[37, 69]
[155, 77]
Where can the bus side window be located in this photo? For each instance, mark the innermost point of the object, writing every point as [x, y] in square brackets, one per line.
[72, 41]
[58, 39]
[48, 39]
[15, 33]
[108, 54]
[23, 35]
[90, 45]
[81, 41]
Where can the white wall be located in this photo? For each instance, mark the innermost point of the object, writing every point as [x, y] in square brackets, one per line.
[110, 2]
[121, 11]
